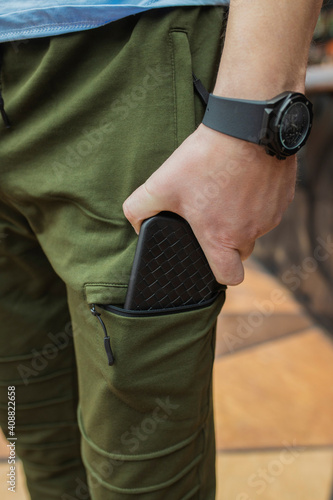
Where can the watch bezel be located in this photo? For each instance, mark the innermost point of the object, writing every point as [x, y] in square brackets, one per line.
[272, 120]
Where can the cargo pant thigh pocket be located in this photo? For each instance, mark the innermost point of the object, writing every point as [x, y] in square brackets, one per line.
[143, 418]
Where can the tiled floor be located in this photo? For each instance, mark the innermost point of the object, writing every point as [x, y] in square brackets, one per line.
[273, 384]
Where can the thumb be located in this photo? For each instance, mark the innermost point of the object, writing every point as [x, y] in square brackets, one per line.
[140, 205]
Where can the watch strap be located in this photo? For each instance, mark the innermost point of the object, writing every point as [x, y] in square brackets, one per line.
[236, 117]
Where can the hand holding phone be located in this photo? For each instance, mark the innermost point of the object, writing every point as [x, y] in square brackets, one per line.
[169, 268]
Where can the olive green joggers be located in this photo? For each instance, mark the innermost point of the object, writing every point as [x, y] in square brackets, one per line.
[93, 114]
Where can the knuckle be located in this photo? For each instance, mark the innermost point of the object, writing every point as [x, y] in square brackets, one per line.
[252, 232]
[127, 209]
[276, 220]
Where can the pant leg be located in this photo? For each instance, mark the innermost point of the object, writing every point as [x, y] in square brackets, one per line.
[94, 114]
[37, 358]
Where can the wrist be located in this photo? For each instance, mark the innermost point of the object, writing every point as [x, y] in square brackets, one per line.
[223, 145]
[281, 125]
[256, 85]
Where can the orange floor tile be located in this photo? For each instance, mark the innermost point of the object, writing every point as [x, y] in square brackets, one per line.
[299, 474]
[277, 392]
[20, 488]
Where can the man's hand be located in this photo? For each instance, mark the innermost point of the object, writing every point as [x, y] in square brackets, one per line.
[231, 192]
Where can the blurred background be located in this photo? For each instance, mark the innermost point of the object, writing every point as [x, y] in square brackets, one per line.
[273, 375]
[310, 217]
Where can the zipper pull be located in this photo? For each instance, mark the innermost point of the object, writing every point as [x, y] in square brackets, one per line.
[107, 344]
[201, 90]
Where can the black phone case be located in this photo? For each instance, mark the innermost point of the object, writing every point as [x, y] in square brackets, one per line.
[169, 268]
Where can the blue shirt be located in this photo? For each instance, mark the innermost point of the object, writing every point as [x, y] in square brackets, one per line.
[20, 19]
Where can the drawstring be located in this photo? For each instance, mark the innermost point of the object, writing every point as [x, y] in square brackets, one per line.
[2, 104]
[3, 112]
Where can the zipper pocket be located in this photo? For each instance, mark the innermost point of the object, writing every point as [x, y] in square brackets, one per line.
[141, 314]
[130, 313]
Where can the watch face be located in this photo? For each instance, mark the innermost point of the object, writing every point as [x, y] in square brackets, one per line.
[294, 125]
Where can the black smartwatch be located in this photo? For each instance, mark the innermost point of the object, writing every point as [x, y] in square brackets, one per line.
[282, 124]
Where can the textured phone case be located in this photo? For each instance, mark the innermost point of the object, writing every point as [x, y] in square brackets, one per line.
[169, 269]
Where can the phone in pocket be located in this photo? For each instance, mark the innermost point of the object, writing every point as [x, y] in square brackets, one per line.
[169, 269]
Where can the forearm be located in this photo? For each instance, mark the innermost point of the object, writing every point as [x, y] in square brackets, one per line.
[266, 48]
